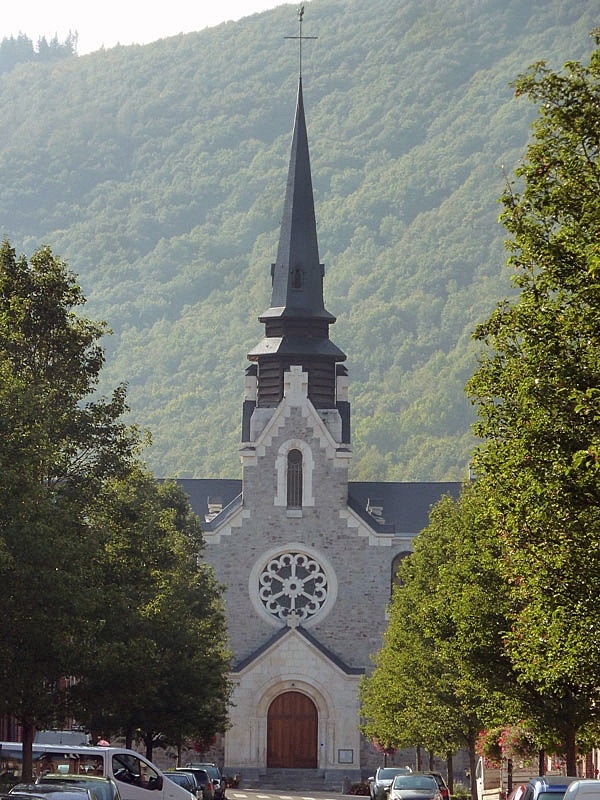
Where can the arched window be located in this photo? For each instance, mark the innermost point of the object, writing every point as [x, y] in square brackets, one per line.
[395, 566]
[294, 466]
[294, 479]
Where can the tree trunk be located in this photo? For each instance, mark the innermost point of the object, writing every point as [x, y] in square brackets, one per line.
[571, 753]
[128, 737]
[472, 763]
[148, 739]
[542, 762]
[431, 761]
[450, 771]
[419, 759]
[28, 732]
[179, 751]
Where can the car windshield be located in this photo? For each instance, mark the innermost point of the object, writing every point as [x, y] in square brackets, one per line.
[387, 773]
[553, 794]
[101, 788]
[415, 782]
[180, 777]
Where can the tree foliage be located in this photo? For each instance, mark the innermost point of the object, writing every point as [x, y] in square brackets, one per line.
[161, 663]
[19, 49]
[107, 612]
[57, 448]
[537, 392]
[440, 673]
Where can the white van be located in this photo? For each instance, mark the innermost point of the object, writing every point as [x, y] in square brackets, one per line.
[136, 777]
[584, 789]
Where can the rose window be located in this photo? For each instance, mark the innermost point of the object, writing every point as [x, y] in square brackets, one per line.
[293, 586]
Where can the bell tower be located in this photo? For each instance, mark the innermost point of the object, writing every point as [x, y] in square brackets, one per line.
[296, 322]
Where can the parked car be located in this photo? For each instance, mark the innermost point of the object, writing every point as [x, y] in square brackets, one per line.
[103, 788]
[584, 789]
[547, 787]
[442, 785]
[185, 779]
[518, 792]
[34, 791]
[382, 780]
[202, 779]
[416, 786]
[212, 769]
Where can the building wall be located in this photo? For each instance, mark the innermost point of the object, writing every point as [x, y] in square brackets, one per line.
[355, 557]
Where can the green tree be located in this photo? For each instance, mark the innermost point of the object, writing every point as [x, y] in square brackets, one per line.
[537, 391]
[427, 686]
[58, 446]
[161, 664]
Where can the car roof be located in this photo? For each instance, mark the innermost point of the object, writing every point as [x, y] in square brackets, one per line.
[586, 786]
[56, 777]
[416, 776]
[48, 791]
[40, 788]
[191, 770]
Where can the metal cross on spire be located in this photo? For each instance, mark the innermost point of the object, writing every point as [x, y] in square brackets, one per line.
[300, 37]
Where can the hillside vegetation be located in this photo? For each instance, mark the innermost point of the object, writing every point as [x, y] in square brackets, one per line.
[159, 173]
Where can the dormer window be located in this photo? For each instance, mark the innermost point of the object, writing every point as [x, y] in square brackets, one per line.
[297, 279]
[294, 479]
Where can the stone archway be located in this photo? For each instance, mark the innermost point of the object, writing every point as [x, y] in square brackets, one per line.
[292, 732]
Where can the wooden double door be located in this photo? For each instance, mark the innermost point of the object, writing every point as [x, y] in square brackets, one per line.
[292, 732]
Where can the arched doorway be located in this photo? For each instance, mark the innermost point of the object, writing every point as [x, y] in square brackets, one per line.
[292, 732]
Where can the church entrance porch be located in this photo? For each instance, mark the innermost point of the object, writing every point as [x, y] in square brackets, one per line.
[292, 732]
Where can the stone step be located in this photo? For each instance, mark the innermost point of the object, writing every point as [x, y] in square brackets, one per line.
[294, 779]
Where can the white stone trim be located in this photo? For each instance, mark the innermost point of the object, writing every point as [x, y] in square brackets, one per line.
[292, 547]
[281, 465]
[360, 528]
[234, 521]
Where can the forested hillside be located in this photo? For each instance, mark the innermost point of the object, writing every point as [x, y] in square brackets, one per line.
[159, 173]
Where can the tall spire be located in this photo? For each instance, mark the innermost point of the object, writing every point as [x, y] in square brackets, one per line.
[297, 323]
[298, 274]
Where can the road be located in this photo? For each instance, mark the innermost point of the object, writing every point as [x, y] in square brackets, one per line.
[280, 794]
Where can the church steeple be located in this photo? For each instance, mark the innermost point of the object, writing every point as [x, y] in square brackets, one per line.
[297, 323]
[297, 274]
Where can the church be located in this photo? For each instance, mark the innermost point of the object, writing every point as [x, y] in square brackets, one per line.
[308, 558]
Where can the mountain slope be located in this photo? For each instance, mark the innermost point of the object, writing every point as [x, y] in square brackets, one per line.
[159, 173]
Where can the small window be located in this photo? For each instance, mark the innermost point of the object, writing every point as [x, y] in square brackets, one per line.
[294, 479]
[297, 279]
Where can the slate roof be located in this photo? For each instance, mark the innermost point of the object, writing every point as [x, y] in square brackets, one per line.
[405, 506]
[298, 246]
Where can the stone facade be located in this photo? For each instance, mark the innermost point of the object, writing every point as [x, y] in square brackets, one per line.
[331, 611]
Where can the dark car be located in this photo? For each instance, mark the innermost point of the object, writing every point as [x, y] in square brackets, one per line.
[35, 791]
[382, 780]
[103, 788]
[212, 769]
[442, 786]
[202, 779]
[185, 779]
[417, 786]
